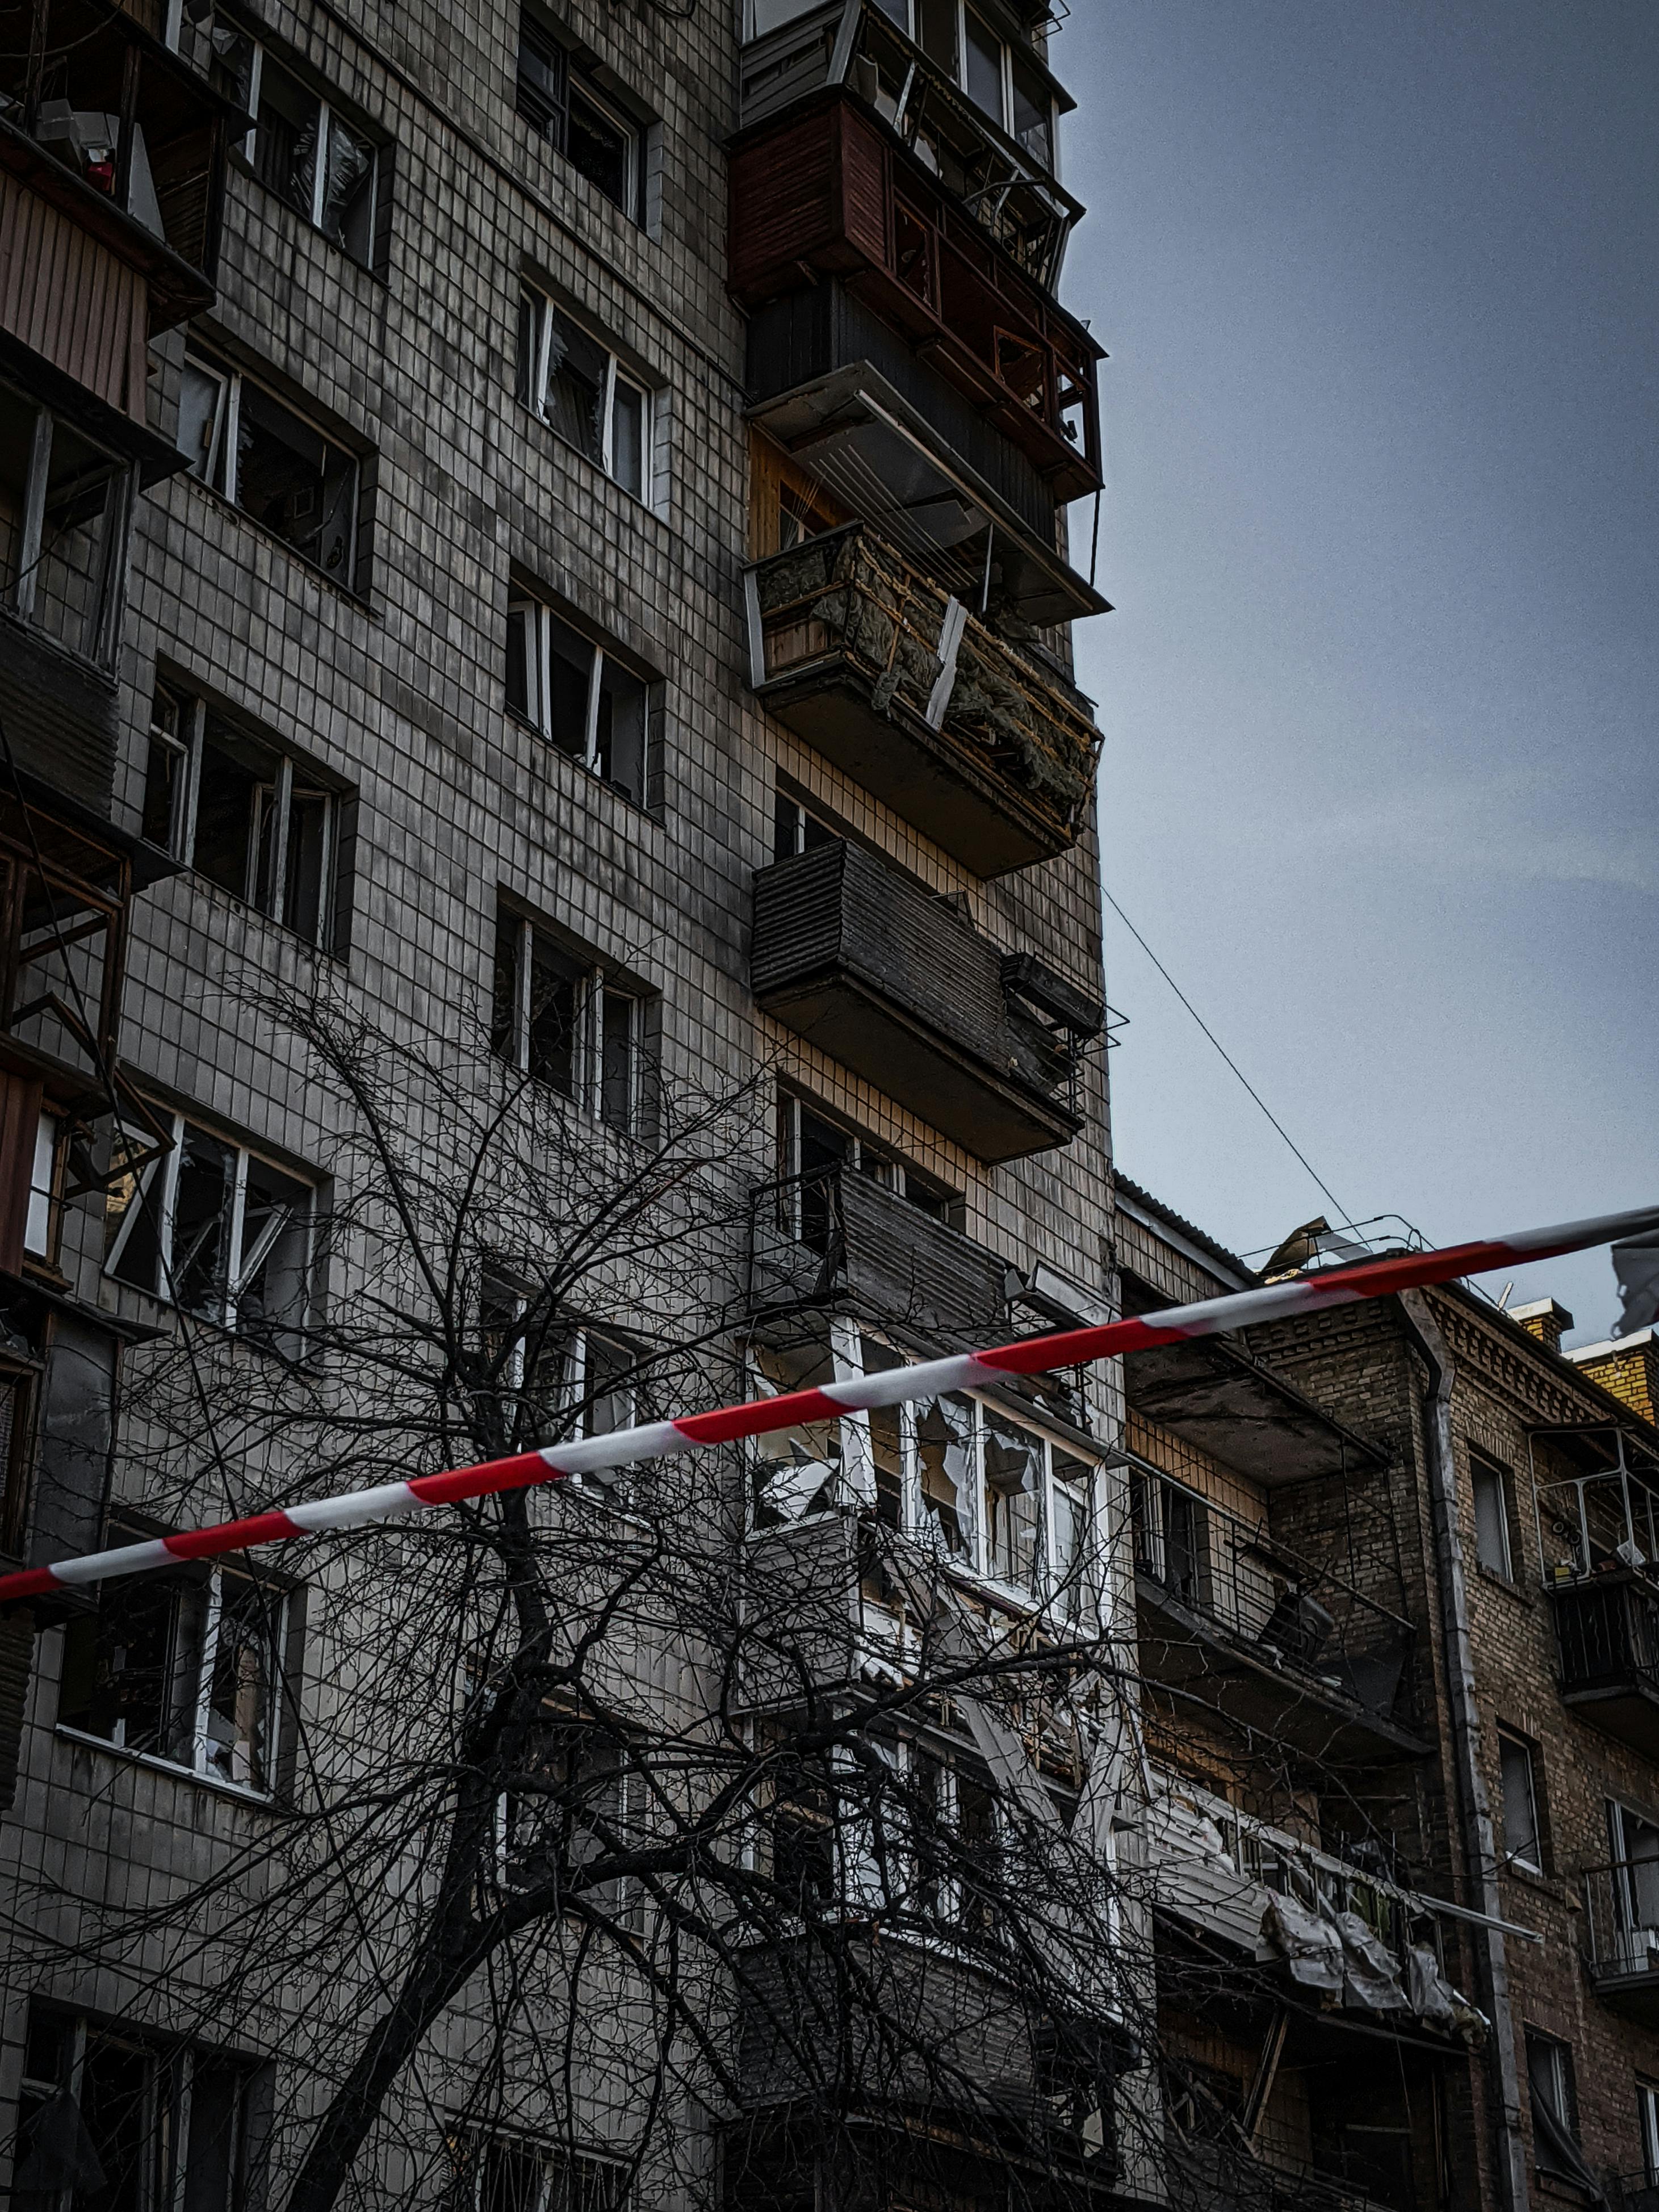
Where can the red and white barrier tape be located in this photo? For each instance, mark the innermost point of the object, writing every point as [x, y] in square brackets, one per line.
[1036, 1355]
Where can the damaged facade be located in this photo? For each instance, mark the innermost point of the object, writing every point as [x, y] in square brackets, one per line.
[1394, 1586]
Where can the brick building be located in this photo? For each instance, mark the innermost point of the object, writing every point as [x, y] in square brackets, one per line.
[1396, 1618]
[542, 528]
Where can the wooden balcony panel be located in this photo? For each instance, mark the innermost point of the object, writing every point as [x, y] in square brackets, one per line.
[824, 190]
[867, 966]
[1000, 773]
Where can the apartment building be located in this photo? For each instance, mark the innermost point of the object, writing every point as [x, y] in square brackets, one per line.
[1392, 1566]
[539, 529]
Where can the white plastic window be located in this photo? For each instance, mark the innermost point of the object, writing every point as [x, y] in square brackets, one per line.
[566, 1024]
[587, 399]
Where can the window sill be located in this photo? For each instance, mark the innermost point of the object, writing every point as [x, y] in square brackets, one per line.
[352, 598]
[604, 783]
[591, 197]
[257, 915]
[642, 506]
[237, 1791]
[1507, 1583]
[238, 164]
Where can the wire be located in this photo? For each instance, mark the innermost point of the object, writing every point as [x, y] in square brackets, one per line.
[1345, 1219]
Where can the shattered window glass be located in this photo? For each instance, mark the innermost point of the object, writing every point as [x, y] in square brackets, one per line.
[944, 1461]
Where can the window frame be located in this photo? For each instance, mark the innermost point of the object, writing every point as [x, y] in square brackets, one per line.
[578, 78]
[20, 590]
[1498, 1479]
[595, 987]
[532, 389]
[187, 747]
[540, 619]
[190, 1671]
[1007, 51]
[1512, 1743]
[879, 1163]
[1078, 1599]
[220, 474]
[1562, 2076]
[329, 113]
[1647, 2124]
[157, 1189]
[556, 2192]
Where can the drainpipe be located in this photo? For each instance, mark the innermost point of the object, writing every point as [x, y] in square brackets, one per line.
[1479, 1843]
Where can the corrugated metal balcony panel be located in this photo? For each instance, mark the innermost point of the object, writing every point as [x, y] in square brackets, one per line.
[59, 713]
[872, 969]
[851, 638]
[66, 296]
[838, 1238]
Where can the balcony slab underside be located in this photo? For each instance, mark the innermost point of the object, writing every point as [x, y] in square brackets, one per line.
[1205, 1662]
[1212, 1395]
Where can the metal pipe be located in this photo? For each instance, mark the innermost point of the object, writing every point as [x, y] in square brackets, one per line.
[1479, 1839]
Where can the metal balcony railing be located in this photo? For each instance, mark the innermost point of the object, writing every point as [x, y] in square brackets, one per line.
[1301, 1617]
[1621, 1920]
[1608, 1628]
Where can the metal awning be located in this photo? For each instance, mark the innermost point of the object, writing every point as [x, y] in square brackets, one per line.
[878, 456]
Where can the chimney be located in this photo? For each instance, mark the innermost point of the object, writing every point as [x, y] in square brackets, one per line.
[1628, 1366]
[1545, 1320]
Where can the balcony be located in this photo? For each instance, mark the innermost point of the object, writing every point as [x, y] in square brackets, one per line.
[1621, 1936]
[871, 969]
[826, 194]
[997, 168]
[1231, 1618]
[837, 1238]
[884, 672]
[1599, 1527]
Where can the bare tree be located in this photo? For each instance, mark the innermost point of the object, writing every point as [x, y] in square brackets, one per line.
[613, 1821]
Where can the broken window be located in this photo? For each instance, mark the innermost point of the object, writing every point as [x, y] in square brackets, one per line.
[585, 396]
[562, 101]
[331, 169]
[499, 2172]
[580, 696]
[108, 2121]
[219, 1232]
[813, 1150]
[1490, 1483]
[243, 441]
[796, 1471]
[248, 814]
[564, 1021]
[187, 1671]
[1522, 1829]
[65, 511]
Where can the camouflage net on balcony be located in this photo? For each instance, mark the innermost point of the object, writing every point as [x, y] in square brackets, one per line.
[849, 594]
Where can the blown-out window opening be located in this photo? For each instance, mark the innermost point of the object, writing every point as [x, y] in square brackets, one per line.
[563, 103]
[564, 1022]
[581, 698]
[586, 397]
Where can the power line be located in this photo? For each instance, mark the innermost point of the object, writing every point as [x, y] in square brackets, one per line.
[1342, 1212]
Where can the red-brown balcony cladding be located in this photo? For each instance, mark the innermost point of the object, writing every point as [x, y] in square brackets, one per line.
[111, 175]
[827, 188]
[885, 673]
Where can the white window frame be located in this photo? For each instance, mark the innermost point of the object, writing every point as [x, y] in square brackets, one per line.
[326, 113]
[164, 1171]
[185, 798]
[1647, 2119]
[1484, 1469]
[593, 986]
[538, 618]
[548, 2156]
[1087, 1599]
[894, 1170]
[199, 1765]
[219, 473]
[631, 204]
[43, 1190]
[1509, 1740]
[543, 309]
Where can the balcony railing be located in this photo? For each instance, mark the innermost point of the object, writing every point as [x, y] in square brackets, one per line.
[836, 1236]
[886, 674]
[1621, 1936]
[1006, 183]
[858, 959]
[1277, 1640]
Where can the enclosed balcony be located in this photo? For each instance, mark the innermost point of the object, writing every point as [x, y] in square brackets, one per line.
[886, 673]
[838, 1238]
[1599, 1529]
[979, 115]
[111, 177]
[872, 969]
[825, 193]
[1234, 1619]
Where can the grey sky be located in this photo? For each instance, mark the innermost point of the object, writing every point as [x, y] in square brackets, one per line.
[1381, 288]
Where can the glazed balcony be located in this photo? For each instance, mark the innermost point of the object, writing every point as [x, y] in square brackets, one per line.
[895, 984]
[992, 150]
[887, 674]
[826, 193]
[1231, 1618]
[111, 180]
[1621, 1937]
[838, 1239]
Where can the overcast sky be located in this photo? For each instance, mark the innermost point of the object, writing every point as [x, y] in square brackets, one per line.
[1380, 285]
